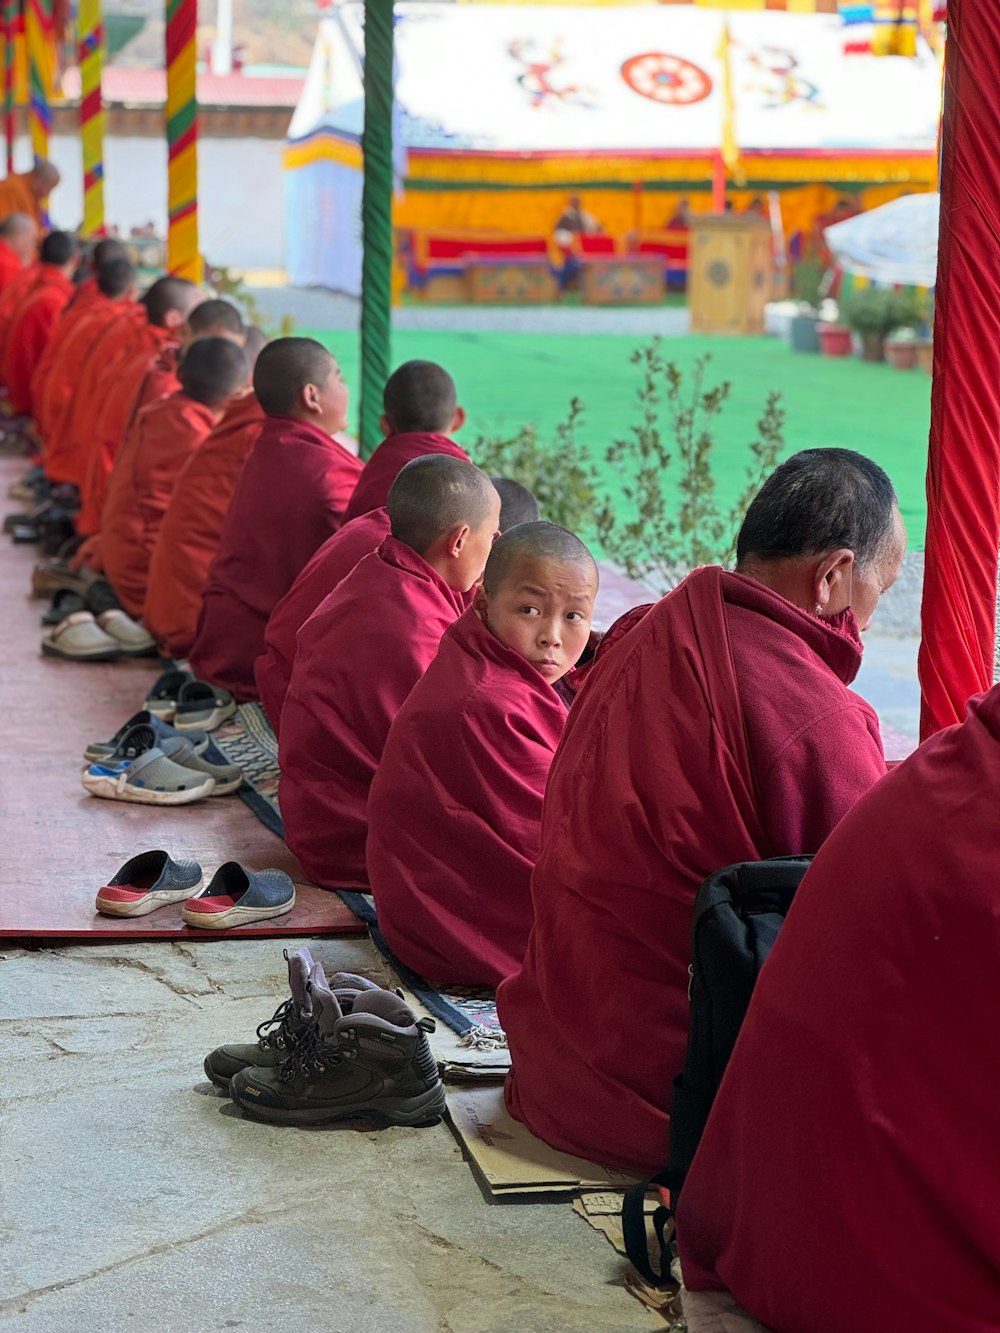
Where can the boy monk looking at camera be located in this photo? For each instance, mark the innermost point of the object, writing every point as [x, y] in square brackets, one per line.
[455, 809]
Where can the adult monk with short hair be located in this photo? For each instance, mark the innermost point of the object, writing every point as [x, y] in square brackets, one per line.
[420, 411]
[848, 1174]
[290, 498]
[455, 810]
[18, 242]
[191, 531]
[26, 191]
[37, 319]
[720, 728]
[361, 653]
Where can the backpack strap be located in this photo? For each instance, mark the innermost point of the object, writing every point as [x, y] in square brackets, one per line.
[634, 1228]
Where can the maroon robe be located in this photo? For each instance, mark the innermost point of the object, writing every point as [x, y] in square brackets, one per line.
[719, 729]
[455, 811]
[332, 562]
[357, 658]
[289, 500]
[848, 1176]
[384, 466]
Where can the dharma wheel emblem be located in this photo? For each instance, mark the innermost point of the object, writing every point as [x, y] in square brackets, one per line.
[666, 78]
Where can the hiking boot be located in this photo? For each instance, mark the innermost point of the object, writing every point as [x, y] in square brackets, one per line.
[374, 1063]
[283, 1031]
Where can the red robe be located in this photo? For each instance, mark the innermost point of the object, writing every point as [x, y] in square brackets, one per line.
[135, 381]
[52, 381]
[14, 296]
[290, 499]
[31, 329]
[332, 562]
[93, 341]
[11, 265]
[189, 536]
[160, 441]
[384, 466]
[358, 658]
[719, 729]
[845, 1179]
[455, 811]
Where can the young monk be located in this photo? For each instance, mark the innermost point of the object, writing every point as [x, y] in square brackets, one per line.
[290, 498]
[718, 729]
[455, 810]
[332, 562]
[361, 653]
[141, 379]
[164, 436]
[52, 385]
[189, 536]
[848, 1175]
[419, 412]
[36, 320]
[18, 242]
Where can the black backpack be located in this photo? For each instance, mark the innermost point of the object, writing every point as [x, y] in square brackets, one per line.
[737, 915]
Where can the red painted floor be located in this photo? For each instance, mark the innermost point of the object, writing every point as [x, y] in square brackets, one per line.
[58, 845]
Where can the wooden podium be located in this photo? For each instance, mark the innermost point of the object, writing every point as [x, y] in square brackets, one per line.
[729, 273]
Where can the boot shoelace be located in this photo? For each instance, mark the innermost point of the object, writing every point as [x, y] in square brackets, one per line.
[311, 1055]
[289, 1022]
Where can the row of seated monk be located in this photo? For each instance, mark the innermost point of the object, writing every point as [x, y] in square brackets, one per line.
[534, 814]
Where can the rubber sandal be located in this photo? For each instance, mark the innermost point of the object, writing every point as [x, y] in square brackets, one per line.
[203, 706]
[98, 751]
[133, 638]
[152, 779]
[236, 897]
[228, 778]
[79, 638]
[162, 698]
[148, 881]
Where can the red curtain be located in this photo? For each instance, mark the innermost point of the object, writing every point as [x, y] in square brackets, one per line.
[963, 469]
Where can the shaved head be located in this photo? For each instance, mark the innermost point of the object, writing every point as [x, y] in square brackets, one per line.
[217, 316]
[43, 177]
[59, 248]
[436, 494]
[171, 296]
[212, 370]
[420, 396]
[19, 232]
[517, 503]
[108, 249]
[283, 370]
[534, 541]
[115, 277]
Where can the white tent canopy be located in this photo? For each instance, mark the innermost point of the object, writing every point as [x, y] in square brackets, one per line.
[896, 244]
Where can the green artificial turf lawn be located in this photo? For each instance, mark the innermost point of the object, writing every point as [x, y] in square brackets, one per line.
[506, 379]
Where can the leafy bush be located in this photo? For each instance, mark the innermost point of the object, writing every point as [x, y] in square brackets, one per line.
[879, 310]
[229, 284]
[808, 282]
[654, 534]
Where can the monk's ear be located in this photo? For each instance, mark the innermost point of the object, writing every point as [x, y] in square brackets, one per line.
[457, 539]
[385, 425]
[481, 602]
[457, 421]
[309, 398]
[833, 580]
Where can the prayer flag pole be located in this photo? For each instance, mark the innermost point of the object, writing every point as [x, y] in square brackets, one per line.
[91, 56]
[11, 13]
[728, 162]
[38, 34]
[183, 254]
[376, 221]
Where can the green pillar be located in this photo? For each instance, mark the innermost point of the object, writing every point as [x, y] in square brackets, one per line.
[376, 221]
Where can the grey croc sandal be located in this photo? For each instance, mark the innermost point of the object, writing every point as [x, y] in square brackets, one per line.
[79, 638]
[228, 778]
[236, 897]
[140, 772]
[132, 638]
[148, 881]
[202, 706]
[97, 751]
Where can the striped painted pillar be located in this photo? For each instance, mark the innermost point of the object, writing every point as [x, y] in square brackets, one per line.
[39, 38]
[183, 254]
[11, 13]
[91, 55]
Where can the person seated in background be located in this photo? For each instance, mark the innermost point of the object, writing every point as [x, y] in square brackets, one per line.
[455, 810]
[290, 498]
[574, 221]
[333, 562]
[163, 437]
[419, 412]
[26, 191]
[720, 728]
[362, 651]
[189, 536]
[680, 219]
[52, 384]
[38, 317]
[845, 1176]
[18, 243]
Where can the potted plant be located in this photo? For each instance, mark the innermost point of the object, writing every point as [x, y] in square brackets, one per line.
[834, 338]
[874, 312]
[807, 284]
[901, 349]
